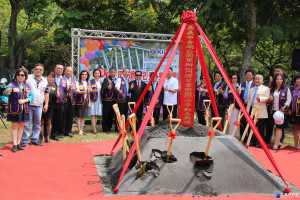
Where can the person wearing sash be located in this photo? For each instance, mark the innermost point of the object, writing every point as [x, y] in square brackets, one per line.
[48, 115]
[295, 110]
[96, 104]
[122, 92]
[62, 91]
[280, 98]
[69, 107]
[82, 103]
[231, 100]
[20, 95]
[201, 94]
[38, 85]
[148, 97]
[243, 91]
[107, 90]
[219, 90]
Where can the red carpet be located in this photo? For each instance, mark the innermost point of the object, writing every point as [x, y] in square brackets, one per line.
[67, 171]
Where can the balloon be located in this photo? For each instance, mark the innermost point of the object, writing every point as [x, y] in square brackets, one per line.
[82, 66]
[82, 43]
[87, 63]
[114, 42]
[82, 59]
[106, 46]
[91, 45]
[97, 52]
[82, 51]
[87, 69]
[90, 56]
[101, 47]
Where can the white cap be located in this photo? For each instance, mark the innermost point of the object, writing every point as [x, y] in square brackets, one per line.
[278, 117]
[3, 80]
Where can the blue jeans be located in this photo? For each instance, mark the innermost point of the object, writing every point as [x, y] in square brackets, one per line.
[35, 115]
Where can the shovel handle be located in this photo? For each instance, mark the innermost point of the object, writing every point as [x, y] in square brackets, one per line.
[212, 131]
[170, 112]
[257, 111]
[239, 119]
[206, 101]
[227, 120]
[132, 119]
[117, 111]
[169, 149]
[129, 105]
[174, 120]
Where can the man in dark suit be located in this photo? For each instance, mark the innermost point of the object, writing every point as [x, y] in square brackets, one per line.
[148, 97]
[136, 88]
[107, 92]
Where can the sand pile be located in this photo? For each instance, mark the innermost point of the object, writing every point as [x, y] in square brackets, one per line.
[233, 170]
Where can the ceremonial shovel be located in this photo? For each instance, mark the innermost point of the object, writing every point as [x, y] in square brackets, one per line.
[142, 169]
[206, 161]
[171, 139]
[152, 122]
[170, 111]
[121, 122]
[129, 105]
[207, 110]
[238, 121]
[247, 127]
[227, 120]
[251, 132]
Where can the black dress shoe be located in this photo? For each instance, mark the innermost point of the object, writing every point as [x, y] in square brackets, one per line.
[15, 148]
[19, 147]
[55, 138]
[61, 136]
[69, 134]
[36, 143]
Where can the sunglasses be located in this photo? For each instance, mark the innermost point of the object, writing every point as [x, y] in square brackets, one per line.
[138, 75]
[22, 75]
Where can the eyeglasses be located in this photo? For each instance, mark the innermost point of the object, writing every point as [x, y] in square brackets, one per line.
[37, 69]
[22, 75]
[138, 75]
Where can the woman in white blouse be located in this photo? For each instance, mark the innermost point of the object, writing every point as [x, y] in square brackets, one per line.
[280, 98]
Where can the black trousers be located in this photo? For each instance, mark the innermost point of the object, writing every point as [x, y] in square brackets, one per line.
[221, 111]
[108, 115]
[166, 112]
[57, 121]
[69, 111]
[123, 107]
[261, 125]
[156, 114]
[201, 117]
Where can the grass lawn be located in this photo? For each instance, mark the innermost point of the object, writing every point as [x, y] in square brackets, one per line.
[5, 136]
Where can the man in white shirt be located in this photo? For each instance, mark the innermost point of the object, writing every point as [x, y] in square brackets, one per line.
[38, 85]
[170, 95]
[122, 92]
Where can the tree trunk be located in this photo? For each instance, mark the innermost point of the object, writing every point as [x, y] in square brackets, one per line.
[251, 42]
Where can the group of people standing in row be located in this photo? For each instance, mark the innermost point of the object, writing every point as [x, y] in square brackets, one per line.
[277, 95]
[51, 103]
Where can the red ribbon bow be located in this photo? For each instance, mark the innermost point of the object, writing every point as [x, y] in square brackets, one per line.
[169, 117]
[207, 114]
[131, 133]
[227, 117]
[125, 134]
[236, 123]
[189, 17]
[211, 133]
[172, 135]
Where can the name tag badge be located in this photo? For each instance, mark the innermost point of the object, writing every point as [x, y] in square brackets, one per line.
[229, 91]
[242, 88]
[94, 85]
[52, 88]
[81, 87]
[64, 85]
[16, 90]
[283, 94]
[203, 94]
[123, 82]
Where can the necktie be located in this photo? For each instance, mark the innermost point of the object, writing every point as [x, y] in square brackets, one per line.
[246, 91]
[138, 85]
[154, 87]
[254, 96]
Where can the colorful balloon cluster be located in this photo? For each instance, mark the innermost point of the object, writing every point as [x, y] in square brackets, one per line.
[91, 48]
